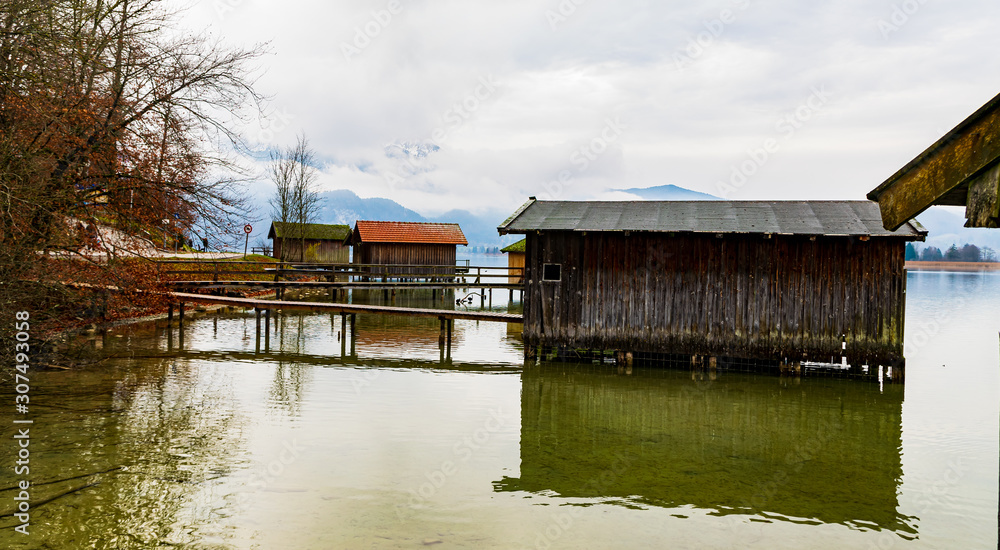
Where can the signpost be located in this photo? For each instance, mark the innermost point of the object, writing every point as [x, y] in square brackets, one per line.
[246, 229]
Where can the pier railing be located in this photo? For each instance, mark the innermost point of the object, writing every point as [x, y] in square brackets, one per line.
[277, 271]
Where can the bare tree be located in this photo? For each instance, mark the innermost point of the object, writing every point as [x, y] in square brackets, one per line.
[296, 201]
[106, 117]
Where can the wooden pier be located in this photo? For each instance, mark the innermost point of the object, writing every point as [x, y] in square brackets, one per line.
[348, 313]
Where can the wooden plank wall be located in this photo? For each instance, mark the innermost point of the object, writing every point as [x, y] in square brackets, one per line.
[402, 254]
[515, 260]
[736, 296]
[325, 251]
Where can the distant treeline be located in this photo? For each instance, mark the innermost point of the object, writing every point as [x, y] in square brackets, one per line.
[967, 253]
[483, 249]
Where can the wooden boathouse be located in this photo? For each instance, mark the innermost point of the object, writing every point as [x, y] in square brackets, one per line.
[782, 281]
[324, 243]
[515, 262]
[420, 245]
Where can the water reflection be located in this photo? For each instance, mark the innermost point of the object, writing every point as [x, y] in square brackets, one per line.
[815, 451]
[129, 455]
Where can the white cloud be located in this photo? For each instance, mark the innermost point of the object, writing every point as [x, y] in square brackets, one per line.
[891, 95]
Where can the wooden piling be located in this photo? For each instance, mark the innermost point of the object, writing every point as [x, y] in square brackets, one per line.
[354, 335]
[267, 329]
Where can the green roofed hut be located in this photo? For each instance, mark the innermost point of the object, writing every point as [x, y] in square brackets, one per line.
[515, 262]
[323, 243]
[760, 284]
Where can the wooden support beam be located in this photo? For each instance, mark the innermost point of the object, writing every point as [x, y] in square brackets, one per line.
[982, 208]
[941, 175]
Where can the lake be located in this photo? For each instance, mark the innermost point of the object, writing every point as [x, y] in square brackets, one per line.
[190, 438]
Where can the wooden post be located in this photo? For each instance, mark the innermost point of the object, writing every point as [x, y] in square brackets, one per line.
[441, 336]
[257, 332]
[451, 325]
[170, 314]
[181, 316]
[491, 298]
[267, 330]
[354, 335]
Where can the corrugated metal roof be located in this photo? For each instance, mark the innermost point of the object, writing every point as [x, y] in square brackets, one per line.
[408, 232]
[857, 218]
[313, 231]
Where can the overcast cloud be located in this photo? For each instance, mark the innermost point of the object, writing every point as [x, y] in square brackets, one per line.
[491, 102]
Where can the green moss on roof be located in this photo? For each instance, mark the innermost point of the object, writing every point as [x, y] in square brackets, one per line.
[515, 247]
[313, 231]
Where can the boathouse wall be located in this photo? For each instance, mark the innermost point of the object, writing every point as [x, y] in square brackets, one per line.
[776, 297]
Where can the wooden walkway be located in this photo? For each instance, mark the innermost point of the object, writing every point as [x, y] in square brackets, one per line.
[345, 285]
[259, 304]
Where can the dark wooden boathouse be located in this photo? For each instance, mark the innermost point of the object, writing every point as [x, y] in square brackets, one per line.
[783, 281]
[401, 244]
[324, 243]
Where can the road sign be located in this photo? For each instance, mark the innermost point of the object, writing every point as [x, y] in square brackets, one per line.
[247, 228]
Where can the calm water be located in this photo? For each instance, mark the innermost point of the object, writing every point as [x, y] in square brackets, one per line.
[204, 443]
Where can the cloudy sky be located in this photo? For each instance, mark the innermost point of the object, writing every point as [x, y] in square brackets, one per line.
[443, 104]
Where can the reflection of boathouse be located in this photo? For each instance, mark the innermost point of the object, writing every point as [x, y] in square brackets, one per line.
[772, 281]
[743, 444]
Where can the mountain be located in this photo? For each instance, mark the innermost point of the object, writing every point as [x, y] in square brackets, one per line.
[345, 207]
[669, 193]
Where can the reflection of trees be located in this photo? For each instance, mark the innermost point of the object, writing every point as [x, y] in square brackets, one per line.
[824, 449]
[162, 429]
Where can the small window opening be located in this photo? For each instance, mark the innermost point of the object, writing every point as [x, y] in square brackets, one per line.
[552, 272]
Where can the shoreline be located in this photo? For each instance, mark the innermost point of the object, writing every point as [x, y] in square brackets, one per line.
[966, 267]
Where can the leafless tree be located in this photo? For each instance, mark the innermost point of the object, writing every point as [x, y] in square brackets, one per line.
[107, 117]
[295, 201]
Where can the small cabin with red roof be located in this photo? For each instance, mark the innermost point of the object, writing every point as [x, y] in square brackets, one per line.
[406, 244]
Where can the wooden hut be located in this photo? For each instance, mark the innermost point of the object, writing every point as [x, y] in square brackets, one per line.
[431, 246]
[782, 281]
[960, 169]
[324, 243]
[515, 262]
